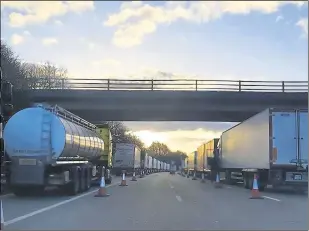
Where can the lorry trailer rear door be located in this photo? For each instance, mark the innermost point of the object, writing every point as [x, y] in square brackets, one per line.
[303, 137]
[284, 133]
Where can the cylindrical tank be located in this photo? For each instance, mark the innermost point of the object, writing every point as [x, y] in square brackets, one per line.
[36, 132]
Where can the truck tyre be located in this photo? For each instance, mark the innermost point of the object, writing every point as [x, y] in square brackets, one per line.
[88, 177]
[250, 180]
[262, 188]
[74, 186]
[246, 180]
[228, 179]
[108, 180]
[83, 179]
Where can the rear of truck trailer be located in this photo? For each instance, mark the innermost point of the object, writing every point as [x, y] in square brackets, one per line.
[200, 159]
[192, 161]
[204, 152]
[272, 144]
[127, 157]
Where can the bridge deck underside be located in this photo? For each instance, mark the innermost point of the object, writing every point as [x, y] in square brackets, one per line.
[97, 106]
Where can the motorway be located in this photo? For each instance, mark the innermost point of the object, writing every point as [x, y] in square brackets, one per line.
[159, 202]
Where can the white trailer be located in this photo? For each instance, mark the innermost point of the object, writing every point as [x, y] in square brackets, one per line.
[127, 157]
[158, 165]
[150, 163]
[272, 144]
[154, 164]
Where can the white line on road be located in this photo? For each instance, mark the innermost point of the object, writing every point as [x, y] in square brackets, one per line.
[17, 219]
[178, 198]
[271, 198]
[171, 186]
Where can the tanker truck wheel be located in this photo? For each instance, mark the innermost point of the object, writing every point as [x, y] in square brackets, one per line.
[83, 179]
[88, 178]
[73, 187]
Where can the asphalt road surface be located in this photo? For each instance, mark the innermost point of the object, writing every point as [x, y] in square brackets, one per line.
[159, 202]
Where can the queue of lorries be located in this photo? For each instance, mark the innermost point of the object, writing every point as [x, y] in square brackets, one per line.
[50, 146]
[272, 145]
[130, 158]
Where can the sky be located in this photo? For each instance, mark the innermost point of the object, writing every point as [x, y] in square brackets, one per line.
[243, 40]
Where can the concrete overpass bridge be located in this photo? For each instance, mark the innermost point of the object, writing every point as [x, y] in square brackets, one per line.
[169, 100]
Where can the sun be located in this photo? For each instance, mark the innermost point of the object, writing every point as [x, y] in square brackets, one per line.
[147, 137]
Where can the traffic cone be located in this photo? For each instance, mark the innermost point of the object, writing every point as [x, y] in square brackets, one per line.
[134, 177]
[203, 178]
[123, 181]
[194, 176]
[102, 190]
[255, 193]
[2, 218]
[217, 183]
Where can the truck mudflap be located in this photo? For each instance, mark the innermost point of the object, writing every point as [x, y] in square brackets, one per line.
[296, 177]
[27, 171]
[289, 178]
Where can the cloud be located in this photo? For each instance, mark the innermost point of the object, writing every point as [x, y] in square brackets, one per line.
[37, 12]
[107, 62]
[17, 39]
[135, 20]
[27, 33]
[49, 41]
[303, 24]
[89, 44]
[58, 22]
[279, 18]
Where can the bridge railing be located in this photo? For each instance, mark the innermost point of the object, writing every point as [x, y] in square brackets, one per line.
[177, 85]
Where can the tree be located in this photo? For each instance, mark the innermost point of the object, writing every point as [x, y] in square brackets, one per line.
[135, 140]
[25, 75]
[45, 76]
[159, 150]
[12, 68]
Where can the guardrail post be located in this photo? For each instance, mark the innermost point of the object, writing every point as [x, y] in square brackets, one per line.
[62, 83]
[196, 85]
[283, 86]
[239, 85]
[108, 83]
[152, 84]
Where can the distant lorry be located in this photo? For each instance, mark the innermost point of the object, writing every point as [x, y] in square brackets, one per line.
[145, 162]
[149, 170]
[154, 164]
[127, 157]
[50, 146]
[173, 167]
[272, 144]
[204, 152]
[192, 159]
[184, 165]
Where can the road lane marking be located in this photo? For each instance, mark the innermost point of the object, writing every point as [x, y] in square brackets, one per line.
[17, 219]
[271, 198]
[178, 198]
[171, 186]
